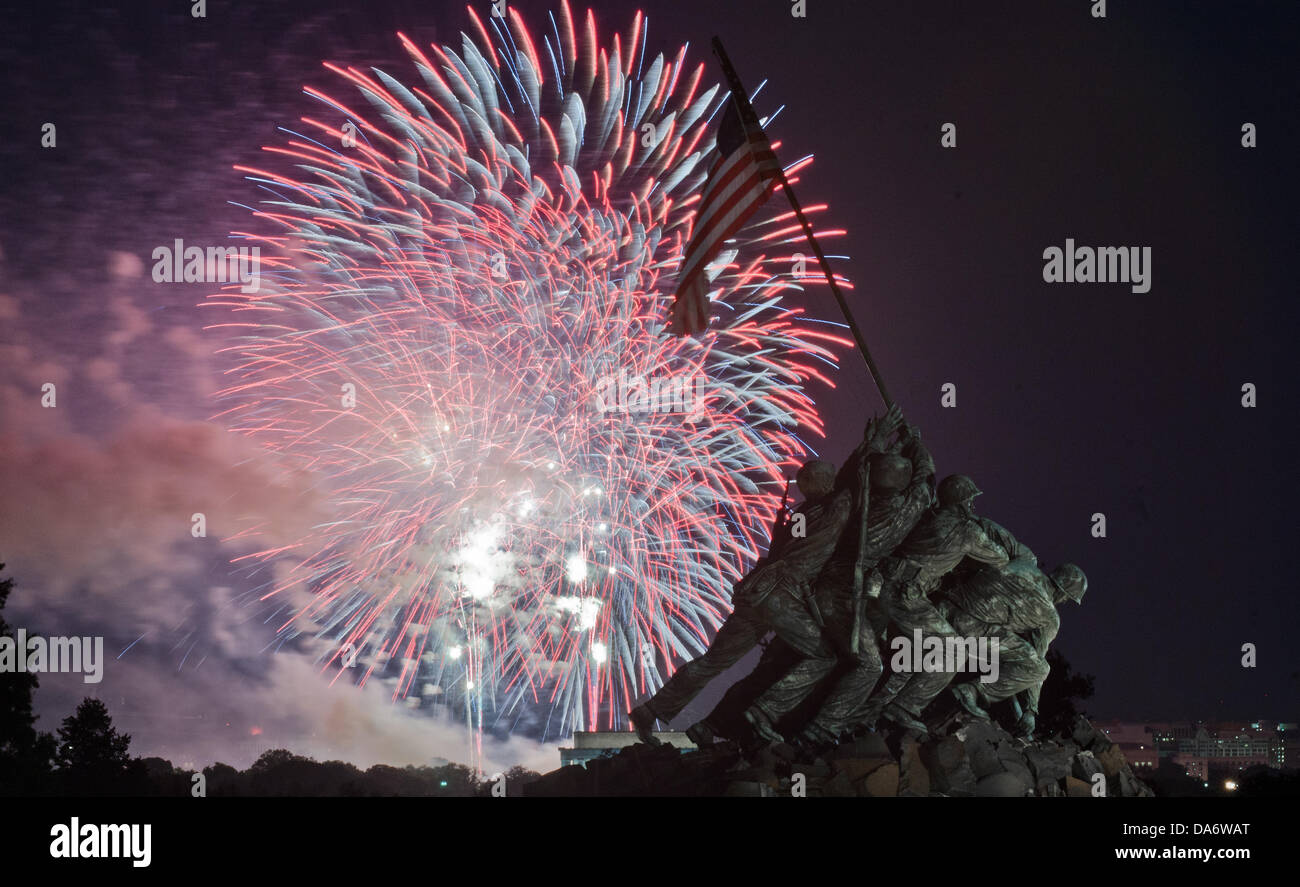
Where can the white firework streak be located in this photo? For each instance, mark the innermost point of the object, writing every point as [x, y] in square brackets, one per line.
[495, 248]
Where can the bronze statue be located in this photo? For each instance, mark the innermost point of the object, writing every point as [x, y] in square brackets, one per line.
[1015, 602]
[867, 556]
[900, 479]
[938, 544]
[774, 597]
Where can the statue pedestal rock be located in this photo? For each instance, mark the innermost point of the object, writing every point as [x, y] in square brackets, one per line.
[966, 757]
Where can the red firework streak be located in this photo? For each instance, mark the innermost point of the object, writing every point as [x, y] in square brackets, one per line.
[494, 542]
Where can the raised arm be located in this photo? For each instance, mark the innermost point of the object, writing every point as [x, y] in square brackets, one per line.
[1015, 549]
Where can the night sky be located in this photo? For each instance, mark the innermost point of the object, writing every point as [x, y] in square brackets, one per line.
[1071, 398]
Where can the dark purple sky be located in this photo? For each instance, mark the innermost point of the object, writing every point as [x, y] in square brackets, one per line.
[1072, 399]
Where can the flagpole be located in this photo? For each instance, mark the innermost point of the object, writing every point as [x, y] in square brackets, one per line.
[747, 113]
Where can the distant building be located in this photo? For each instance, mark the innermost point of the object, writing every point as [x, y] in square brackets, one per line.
[1197, 768]
[1167, 736]
[1122, 732]
[592, 744]
[1288, 747]
[1136, 741]
[1140, 754]
[1230, 747]
[1208, 749]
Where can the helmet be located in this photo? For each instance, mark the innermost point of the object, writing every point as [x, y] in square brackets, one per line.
[956, 489]
[816, 478]
[890, 472]
[1071, 581]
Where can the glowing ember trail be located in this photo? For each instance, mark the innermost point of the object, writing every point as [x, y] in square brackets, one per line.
[539, 499]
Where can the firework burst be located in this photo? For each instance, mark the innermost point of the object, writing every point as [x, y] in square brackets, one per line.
[540, 500]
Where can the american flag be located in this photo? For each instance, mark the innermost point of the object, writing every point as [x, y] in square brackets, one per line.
[742, 177]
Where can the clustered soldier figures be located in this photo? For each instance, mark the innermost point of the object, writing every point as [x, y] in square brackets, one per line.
[871, 555]
[776, 596]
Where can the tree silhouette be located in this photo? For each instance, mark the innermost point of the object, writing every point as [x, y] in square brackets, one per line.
[273, 758]
[1063, 687]
[25, 754]
[280, 772]
[516, 778]
[92, 755]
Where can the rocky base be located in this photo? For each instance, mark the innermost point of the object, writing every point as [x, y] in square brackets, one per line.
[967, 758]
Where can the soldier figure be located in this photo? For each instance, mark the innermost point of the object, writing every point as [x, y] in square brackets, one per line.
[773, 597]
[1017, 604]
[938, 544]
[900, 480]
